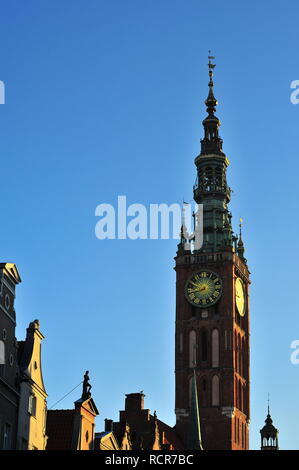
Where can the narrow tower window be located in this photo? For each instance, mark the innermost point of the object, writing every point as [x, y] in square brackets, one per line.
[204, 346]
[215, 390]
[192, 348]
[215, 348]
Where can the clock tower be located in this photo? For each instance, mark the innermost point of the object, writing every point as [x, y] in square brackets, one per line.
[212, 307]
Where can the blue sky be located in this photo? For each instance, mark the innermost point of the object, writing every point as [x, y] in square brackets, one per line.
[105, 98]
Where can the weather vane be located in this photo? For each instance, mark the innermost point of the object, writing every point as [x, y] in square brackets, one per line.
[210, 64]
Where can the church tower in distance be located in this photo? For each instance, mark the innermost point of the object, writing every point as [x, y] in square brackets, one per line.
[269, 434]
[212, 308]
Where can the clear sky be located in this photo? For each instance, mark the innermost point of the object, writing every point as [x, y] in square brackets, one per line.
[105, 98]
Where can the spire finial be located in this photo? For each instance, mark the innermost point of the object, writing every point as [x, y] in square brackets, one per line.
[211, 65]
[211, 143]
[211, 101]
[240, 225]
[268, 403]
[240, 247]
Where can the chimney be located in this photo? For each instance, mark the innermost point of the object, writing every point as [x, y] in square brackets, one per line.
[108, 425]
[134, 401]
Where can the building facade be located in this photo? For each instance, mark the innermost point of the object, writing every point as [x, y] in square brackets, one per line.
[33, 396]
[9, 370]
[22, 392]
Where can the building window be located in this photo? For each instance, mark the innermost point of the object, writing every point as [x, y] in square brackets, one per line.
[240, 394]
[32, 405]
[7, 436]
[192, 348]
[244, 372]
[236, 350]
[239, 356]
[4, 334]
[204, 346]
[215, 390]
[215, 348]
[204, 313]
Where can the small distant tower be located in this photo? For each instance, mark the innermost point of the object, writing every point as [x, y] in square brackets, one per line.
[269, 434]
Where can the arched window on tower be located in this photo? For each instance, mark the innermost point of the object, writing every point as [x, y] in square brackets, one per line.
[208, 179]
[215, 391]
[218, 178]
[236, 350]
[244, 374]
[201, 177]
[204, 345]
[240, 394]
[192, 348]
[215, 348]
[239, 354]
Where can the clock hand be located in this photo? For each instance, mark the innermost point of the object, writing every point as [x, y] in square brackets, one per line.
[191, 282]
[196, 289]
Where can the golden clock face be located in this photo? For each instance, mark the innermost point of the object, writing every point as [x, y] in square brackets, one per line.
[203, 288]
[240, 296]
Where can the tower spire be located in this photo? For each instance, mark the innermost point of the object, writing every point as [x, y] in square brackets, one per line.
[211, 143]
[211, 101]
[211, 188]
